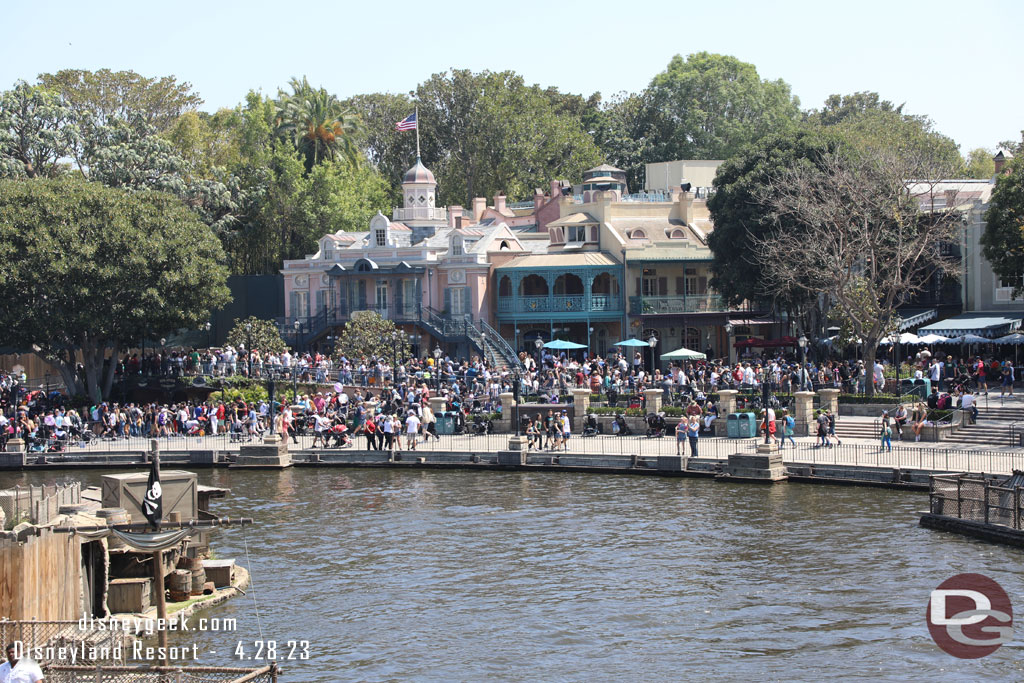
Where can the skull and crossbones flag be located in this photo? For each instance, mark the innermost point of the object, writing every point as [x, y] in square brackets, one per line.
[153, 501]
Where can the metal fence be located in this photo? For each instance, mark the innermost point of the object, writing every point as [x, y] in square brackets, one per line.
[158, 674]
[977, 499]
[37, 504]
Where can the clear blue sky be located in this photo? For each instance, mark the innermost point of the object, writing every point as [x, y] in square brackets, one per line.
[954, 61]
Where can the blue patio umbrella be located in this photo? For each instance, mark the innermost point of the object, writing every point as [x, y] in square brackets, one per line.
[562, 345]
[631, 342]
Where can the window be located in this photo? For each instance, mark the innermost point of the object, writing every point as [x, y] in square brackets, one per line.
[457, 248]
[458, 300]
[504, 246]
[382, 297]
[577, 233]
[382, 237]
[638, 235]
[328, 254]
[676, 234]
[1004, 288]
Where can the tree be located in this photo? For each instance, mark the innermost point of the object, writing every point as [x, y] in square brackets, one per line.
[980, 164]
[319, 125]
[256, 333]
[369, 334]
[743, 218]
[710, 106]
[89, 270]
[97, 98]
[838, 108]
[37, 133]
[1003, 240]
[865, 241]
[623, 133]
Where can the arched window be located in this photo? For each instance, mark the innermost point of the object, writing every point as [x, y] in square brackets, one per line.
[381, 237]
[504, 246]
[691, 339]
[638, 234]
[605, 284]
[533, 285]
[677, 234]
[505, 286]
[568, 285]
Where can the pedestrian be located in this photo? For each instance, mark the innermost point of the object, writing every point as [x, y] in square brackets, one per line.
[16, 670]
[789, 426]
[1008, 378]
[886, 434]
[900, 418]
[566, 430]
[832, 427]
[412, 427]
[693, 433]
[681, 428]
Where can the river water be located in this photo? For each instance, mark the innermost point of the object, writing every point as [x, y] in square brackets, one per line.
[471, 576]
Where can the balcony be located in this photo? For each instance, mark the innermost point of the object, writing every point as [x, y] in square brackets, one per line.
[579, 303]
[674, 305]
[428, 213]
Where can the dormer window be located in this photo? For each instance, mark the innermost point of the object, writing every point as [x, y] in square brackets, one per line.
[457, 247]
[328, 253]
[381, 236]
[577, 233]
[637, 235]
[676, 234]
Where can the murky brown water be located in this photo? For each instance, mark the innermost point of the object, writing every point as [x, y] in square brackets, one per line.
[469, 576]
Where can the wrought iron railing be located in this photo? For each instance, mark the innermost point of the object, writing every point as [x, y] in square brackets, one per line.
[700, 303]
[559, 304]
[507, 352]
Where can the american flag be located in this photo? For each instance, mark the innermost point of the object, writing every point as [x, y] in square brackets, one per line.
[408, 123]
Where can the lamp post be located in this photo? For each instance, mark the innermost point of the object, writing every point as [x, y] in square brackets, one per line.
[538, 344]
[652, 341]
[271, 386]
[765, 398]
[163, 356]
[515, 397]
[728, 342]
[298, 335]
[802, 343]
[437, 367]
[248, 348]
[208, 326]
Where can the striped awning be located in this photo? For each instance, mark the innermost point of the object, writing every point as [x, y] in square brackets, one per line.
[989, 325]
[912, 317]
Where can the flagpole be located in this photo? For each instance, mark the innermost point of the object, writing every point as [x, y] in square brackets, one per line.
[158, 573]
[417, 111]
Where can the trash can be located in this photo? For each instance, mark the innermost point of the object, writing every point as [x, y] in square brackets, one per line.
[445, 422]
[746, 425]
[732, 425]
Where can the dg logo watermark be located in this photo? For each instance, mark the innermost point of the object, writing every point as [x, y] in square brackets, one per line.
[969, 616]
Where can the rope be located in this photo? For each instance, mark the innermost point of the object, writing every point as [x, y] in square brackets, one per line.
[252, 581]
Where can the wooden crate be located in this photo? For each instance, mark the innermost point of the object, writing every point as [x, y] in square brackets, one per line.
[221, 572]
[128, 595]
[127, 490]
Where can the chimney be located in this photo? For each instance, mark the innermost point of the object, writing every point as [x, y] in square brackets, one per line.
[538, 200]
[1000, 159]
[556, 188]
[950, 196]
[686, 207]
[479, 204]
[499, 203]
[454, 214]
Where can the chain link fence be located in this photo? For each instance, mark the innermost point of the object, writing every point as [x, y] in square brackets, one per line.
[58, 673]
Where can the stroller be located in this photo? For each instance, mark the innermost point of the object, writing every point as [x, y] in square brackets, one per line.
[619, 426]
[590, 426]
[481, 425]
[655, 425]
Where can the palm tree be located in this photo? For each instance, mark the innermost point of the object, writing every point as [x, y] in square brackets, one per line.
[317, 123]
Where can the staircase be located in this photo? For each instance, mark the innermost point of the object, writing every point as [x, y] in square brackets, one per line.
[848, 427]
[993, 427]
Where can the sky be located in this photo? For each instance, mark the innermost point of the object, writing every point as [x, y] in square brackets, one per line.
[952, 61]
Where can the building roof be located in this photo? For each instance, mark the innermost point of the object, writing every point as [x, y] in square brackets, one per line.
[608, 168]
[419, 174]
[578, 218]
[667, 254]
[562, 260]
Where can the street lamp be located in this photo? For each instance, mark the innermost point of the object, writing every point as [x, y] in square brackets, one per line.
[248, 348]
[652, 341]
[298, 335]
[802, 343]
[208, 326]
[728, 342]
[515, 397]
[437, 367]
[538, 343]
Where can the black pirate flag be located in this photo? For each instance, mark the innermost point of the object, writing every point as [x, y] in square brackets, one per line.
[153, 501]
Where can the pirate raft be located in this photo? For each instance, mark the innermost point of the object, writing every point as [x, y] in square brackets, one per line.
[134, 550]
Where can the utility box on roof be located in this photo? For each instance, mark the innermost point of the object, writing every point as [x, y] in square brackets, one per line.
[127, 490]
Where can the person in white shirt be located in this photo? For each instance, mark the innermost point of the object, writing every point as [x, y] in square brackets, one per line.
[967, 402]
[16, 670]
[412, 427]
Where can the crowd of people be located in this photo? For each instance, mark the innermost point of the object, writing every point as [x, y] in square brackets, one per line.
[383, 400]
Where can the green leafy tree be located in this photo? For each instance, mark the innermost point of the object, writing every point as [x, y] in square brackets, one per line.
[623, 133]
[369, 334]
[710, 106]
[838, 108]
[89, 269]
[389, 151]
[97, 98]
[1003, 239]
[37, 133]
[980, 164]
[256, 333]
[742, 218]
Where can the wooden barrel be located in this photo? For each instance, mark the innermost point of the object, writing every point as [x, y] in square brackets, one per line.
[114, 516]
[209, 588]
[179, 583]
[198, 579]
